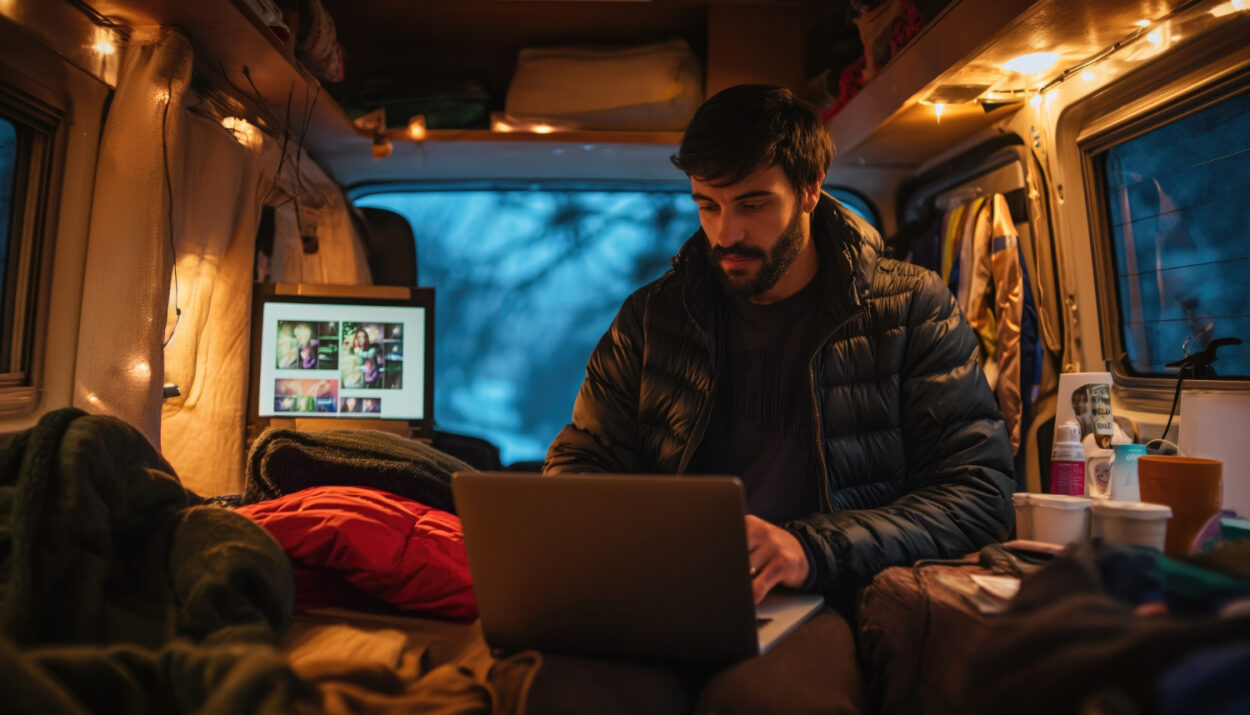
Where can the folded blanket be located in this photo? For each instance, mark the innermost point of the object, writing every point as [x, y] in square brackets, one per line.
[285, 461]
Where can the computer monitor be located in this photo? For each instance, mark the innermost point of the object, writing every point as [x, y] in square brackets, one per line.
[343, 356]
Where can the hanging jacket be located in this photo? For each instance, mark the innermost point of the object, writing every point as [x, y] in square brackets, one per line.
[991, 293]
[915, 459]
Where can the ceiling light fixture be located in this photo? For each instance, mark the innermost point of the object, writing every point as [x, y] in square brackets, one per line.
[1033, 63]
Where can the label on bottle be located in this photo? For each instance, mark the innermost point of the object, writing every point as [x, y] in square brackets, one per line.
[1067, 478]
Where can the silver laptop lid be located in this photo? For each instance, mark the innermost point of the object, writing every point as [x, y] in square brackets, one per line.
[610, 565]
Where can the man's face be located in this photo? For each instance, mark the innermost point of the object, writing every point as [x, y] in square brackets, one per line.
[756, 230]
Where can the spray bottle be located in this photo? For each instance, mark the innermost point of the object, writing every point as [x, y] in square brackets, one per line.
[1067, 461]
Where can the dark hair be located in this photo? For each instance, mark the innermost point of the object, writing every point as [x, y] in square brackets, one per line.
[750, 127]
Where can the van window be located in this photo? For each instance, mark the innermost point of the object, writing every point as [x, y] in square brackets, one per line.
[8, 171]
[8, 176]
[527, 281]
[1176, 204]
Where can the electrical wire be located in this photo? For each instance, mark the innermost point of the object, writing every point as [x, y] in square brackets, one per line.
[299, 155]
[169, 201]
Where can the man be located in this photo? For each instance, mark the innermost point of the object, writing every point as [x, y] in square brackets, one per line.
[842, 387]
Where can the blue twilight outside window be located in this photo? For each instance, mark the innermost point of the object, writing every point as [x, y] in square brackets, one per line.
[526, 283]
[1179, 222]
[8, 170]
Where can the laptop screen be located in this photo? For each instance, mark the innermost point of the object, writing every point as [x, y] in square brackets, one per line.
[344, 357]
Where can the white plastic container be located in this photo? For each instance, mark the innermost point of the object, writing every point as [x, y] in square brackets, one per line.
[1060, 518]
[1131, 523]
[1024, 515]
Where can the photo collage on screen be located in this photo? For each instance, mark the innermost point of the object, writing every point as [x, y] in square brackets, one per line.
[346, 366]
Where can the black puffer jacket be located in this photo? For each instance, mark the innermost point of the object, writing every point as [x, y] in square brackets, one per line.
[915, 455]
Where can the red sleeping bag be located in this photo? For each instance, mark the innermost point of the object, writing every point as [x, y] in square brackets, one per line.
[343, 541]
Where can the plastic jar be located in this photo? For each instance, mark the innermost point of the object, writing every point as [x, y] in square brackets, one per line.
[1131, 523]
[1060, 518]
[1024, 515]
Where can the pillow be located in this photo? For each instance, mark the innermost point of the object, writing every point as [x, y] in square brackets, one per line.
[647, 88]
[386, 546]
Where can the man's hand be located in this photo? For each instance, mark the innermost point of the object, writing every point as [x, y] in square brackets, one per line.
[776, 557]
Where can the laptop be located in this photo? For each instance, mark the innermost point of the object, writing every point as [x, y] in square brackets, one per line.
[618, 566]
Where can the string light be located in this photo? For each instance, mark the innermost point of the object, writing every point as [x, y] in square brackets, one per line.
[244, 131]
[416, 127]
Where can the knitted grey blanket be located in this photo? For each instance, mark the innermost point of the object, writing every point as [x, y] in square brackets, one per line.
[285, 461]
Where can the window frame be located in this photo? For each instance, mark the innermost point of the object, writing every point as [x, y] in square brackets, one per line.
[1164, 111]
[27, 284]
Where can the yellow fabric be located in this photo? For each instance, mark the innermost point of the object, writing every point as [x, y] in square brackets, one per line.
[965, 249]
[950, 239]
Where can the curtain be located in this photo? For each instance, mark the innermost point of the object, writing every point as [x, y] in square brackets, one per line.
[230, 176]
[136, 297]
[119, 368]
[207, 354]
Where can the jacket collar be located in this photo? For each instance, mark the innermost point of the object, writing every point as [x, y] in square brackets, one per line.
[848, 247]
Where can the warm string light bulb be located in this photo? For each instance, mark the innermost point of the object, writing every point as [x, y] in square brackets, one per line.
[416, 127]
[938, 108]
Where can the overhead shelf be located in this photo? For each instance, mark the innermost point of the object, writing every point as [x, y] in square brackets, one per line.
[884, 124]
[967, 45]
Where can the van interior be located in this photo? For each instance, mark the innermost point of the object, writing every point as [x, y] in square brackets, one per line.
[266, 242]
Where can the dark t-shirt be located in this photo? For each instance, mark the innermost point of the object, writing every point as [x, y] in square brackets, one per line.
[762, 419]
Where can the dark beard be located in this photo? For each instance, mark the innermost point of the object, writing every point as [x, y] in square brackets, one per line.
[774, 264]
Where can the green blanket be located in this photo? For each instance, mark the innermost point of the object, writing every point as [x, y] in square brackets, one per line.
[100, 544]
